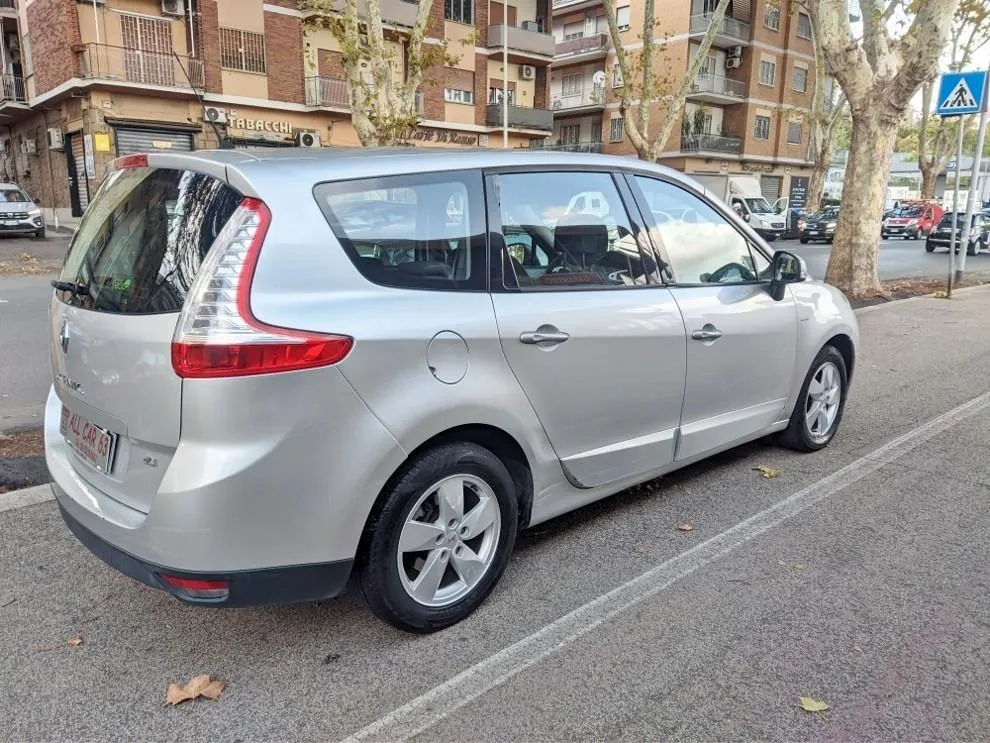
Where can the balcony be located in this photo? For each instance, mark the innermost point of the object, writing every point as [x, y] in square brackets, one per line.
[327, 92]
[117, 64]
[591, 147]
[13, 89]
[585, 48]
[711, 143]
[730, 31]
[524, 41]
[394, 12]
[520, 117]
[592, 99]
[717, 89]
[571, 5]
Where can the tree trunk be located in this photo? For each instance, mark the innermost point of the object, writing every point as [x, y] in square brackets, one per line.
[816, 183]
[853, 264]
[929, 175]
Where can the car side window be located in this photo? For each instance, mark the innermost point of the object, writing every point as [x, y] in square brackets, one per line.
[701, 245]
[568, 230]
[424, 231]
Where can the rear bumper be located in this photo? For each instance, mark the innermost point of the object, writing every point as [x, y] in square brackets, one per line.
[283, 585]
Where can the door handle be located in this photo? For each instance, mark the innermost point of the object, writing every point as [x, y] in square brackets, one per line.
[707, 333]
[545, 335]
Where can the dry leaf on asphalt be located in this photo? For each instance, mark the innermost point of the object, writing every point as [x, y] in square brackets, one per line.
[940, 295]
[810, 705]
[73, 642]
[686, 527]
[799, 566]
[768, 473]
[200, 686]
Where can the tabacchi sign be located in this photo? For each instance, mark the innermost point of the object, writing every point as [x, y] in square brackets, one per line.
[261, 125]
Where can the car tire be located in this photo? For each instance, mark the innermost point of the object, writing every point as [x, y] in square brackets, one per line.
[929, 248]
[883, 235]
[39, 234]
[391, 576]
[973, 248]
[804, 241]
[828, 369]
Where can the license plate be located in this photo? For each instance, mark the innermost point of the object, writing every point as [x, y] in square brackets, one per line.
[814, 232]
[10, 222]
[90, 442]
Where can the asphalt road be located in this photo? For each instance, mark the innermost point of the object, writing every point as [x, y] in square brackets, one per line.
[859, 577]
[24, 307]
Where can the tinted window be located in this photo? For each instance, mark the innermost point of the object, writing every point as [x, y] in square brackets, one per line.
[416, 232]
[701, 245]
[144, 237]
[567, 230]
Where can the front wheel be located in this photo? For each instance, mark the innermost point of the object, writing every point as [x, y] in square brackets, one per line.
[440, 539]
[883, 235]
[819, 407]
[804, 241]
[39, 234]
[973, 248]
[929, 248]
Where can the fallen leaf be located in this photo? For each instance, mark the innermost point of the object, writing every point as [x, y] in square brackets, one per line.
[200, 686]
[940, 295]
[686, 526]
[74, 642]
[799, 566]
[44, 650]
[810, 705]
[768, 473]
[857, 648]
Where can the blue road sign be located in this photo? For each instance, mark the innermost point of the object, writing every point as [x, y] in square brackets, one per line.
[961, 93]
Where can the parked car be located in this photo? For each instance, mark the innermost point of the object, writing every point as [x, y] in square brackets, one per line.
[249, 404]
[912, 220]
[977, 237]
[820, 227]
[19, 215]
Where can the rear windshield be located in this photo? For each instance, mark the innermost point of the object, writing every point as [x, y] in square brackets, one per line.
[143, 239]
[959, 219]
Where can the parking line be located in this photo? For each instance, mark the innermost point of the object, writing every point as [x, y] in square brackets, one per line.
[435, 705]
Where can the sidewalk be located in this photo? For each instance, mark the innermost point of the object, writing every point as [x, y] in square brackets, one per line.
[61, 220]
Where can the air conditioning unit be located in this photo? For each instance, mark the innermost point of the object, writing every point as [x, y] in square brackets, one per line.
[215, 115]
[56, 141]
[307, 139]
[527, 72]
[531, 26]
[173, 7]
[733, 63]
[735, 52]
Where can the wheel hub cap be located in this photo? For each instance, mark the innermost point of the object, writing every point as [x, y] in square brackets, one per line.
[822, 403]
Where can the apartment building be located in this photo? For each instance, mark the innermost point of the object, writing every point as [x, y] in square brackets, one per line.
[84, 82]
[745, 112]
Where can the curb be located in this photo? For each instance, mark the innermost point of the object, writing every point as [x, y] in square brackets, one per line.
[26, 497]
[872, 307]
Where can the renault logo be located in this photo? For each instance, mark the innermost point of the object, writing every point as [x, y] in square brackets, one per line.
[63, 336]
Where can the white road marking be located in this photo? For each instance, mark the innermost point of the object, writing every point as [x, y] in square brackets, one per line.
[432, 707]
[3, 301]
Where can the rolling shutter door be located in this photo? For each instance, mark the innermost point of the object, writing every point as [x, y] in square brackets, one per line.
[132, 141]
[770, 187]
[79, 157]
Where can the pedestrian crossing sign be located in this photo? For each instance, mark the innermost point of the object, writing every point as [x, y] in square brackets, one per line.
[961, 93]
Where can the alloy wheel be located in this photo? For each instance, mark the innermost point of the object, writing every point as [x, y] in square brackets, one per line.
[822, 403]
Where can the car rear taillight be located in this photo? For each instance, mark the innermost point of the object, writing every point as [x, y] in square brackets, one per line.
[131, 161]
[193, 588]
[218, 336]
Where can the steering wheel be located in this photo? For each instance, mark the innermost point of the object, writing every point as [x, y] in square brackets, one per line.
[720, 275]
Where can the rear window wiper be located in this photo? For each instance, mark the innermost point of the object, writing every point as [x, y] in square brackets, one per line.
[79, 290]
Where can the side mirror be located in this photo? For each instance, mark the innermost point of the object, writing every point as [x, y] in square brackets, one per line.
[745, 216]
[785, 269]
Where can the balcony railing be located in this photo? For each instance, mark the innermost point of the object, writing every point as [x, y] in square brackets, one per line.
[520, 116]
[330, 92]
[105, 62]
[711, 143]
[718, 85]
[13, 88]
[528, 38]
[595, 96]
[584, 45]
[728, 27]
[593, 147]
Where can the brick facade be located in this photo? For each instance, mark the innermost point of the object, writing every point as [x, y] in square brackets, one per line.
[208, 44]
[329, 64]
[54, 38]
[284, 47]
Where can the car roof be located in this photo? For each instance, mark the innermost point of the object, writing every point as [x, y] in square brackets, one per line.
[344, 163]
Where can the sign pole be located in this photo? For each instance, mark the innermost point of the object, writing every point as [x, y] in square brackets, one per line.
[974, 178]
[955, 210]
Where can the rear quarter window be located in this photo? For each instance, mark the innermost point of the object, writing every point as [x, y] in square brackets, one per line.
[143, 239]
[414, 231]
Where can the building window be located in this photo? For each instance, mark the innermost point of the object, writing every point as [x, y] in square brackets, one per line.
[495, 95]
[794, 132]
[616, 129]
[800, 80]
[768, 72]
[596, 130]
[762, 128]
[616, 76]
[622, 17]
[573, 31]
[571, 84]
[452, 95]
[804, 26]
[771, 16]
[461, 11]
[570, 134]
[242, 50]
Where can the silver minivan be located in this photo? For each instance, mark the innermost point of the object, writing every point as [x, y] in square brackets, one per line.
[276, 369]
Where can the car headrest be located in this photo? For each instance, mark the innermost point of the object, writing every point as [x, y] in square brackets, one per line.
[582, 236]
